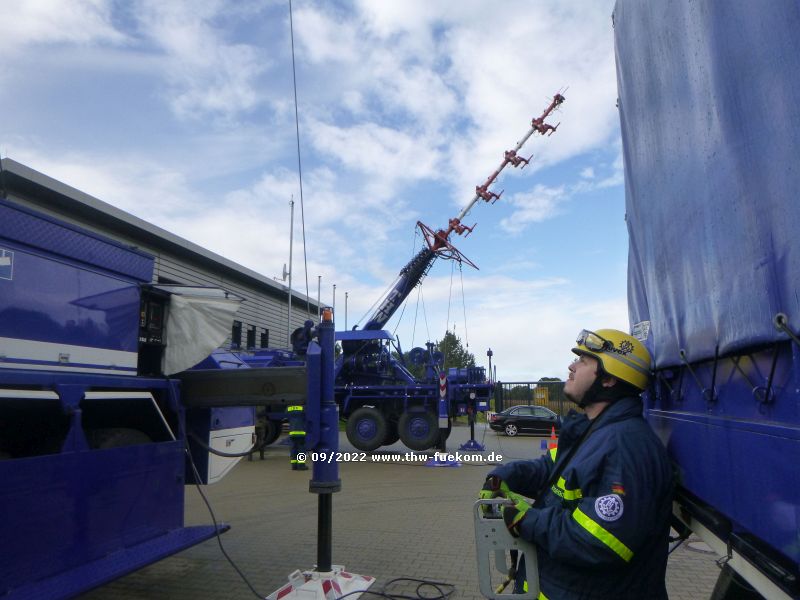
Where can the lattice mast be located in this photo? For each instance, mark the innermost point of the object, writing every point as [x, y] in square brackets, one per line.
[437, 243]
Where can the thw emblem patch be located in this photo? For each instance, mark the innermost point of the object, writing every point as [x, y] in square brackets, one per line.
[609, 508]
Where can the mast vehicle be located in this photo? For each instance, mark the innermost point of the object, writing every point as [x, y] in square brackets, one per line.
[377, 395]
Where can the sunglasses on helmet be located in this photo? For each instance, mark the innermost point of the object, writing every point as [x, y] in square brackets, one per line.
[593, 342]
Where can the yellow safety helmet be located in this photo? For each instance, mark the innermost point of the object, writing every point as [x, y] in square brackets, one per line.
[620, 355]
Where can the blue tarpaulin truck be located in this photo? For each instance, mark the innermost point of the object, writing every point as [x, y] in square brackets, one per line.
[709, 104]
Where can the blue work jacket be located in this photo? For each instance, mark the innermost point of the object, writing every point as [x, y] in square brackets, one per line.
[601, 531]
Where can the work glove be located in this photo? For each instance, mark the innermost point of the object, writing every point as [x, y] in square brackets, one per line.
[493, 487]
[513, 514]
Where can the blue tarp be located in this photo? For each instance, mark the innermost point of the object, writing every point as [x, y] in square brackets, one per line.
[710, 113]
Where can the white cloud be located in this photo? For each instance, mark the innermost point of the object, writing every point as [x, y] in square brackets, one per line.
[492, 69]
[384, 154]
[429, 69]
[326, 37]
[539, 333]
[528, 323]
[49, 22]
[384, 72]
[535, 206]
[144, 188]
[388, 19]
[205, 73]
[617, 176]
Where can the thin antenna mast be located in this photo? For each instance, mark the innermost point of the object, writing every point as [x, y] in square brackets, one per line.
[289, 273]
[299, 161]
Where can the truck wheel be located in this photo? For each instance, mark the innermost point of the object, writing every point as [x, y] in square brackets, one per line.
[366, 428]
[272, 431]
[117, 437]
[511, 429]
[392, 435]
[419, 430]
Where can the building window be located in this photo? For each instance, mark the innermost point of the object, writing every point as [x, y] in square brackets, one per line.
[265, 338]
[251, 337]
[236, 335]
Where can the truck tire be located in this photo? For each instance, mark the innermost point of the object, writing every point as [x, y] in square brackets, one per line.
[419, 430]
[117, 437]
[272, 431]
[366, 428]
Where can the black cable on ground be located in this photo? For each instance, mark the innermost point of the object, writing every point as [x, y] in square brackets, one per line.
[443, 590]
[216, 527]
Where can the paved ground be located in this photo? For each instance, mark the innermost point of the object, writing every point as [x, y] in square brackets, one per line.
[390, 520]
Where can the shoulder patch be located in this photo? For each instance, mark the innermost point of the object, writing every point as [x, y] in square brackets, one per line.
[609, 508]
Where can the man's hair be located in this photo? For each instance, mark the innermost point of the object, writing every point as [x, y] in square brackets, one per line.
[620, 389]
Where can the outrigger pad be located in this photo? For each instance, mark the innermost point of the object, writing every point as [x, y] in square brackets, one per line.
[313, 585]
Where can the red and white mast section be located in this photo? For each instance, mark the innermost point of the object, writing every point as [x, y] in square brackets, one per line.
[438, 241]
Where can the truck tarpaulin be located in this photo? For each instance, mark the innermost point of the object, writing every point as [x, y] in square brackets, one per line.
[709, 107]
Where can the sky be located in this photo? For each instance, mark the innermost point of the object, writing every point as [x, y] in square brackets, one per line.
[182, 112]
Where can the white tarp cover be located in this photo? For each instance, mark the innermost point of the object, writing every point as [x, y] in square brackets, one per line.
[196, 325]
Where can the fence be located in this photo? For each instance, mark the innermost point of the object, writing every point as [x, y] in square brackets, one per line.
[532, 393]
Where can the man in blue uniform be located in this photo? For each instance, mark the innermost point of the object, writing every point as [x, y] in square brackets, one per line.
[297, 437]
[600, 520]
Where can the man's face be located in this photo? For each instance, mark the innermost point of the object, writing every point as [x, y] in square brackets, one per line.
[582, 373]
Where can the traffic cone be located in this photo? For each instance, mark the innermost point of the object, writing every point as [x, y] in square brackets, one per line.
[553, 443]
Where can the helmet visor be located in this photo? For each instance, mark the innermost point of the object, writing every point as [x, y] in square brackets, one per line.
[593, 342]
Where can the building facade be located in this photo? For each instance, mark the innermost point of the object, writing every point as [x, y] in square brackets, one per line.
[262, 318]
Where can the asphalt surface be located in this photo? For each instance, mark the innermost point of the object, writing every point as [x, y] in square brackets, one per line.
[391, 519]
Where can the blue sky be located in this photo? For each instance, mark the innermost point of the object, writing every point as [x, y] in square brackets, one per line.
[182, 113]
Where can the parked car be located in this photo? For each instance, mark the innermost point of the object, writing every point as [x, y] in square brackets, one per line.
[525, 419]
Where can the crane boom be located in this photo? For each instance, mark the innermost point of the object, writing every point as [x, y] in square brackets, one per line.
[438, 242]
[410, 276]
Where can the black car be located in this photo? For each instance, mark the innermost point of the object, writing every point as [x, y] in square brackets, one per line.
[525, 419]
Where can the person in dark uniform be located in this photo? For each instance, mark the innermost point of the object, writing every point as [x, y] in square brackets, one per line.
[601, 516]
[297, 437]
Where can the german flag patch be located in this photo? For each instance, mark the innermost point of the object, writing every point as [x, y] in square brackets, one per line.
[617, 488]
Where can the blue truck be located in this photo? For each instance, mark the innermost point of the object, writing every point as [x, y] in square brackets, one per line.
[378, 396]
[709, 105]
[100, 426]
